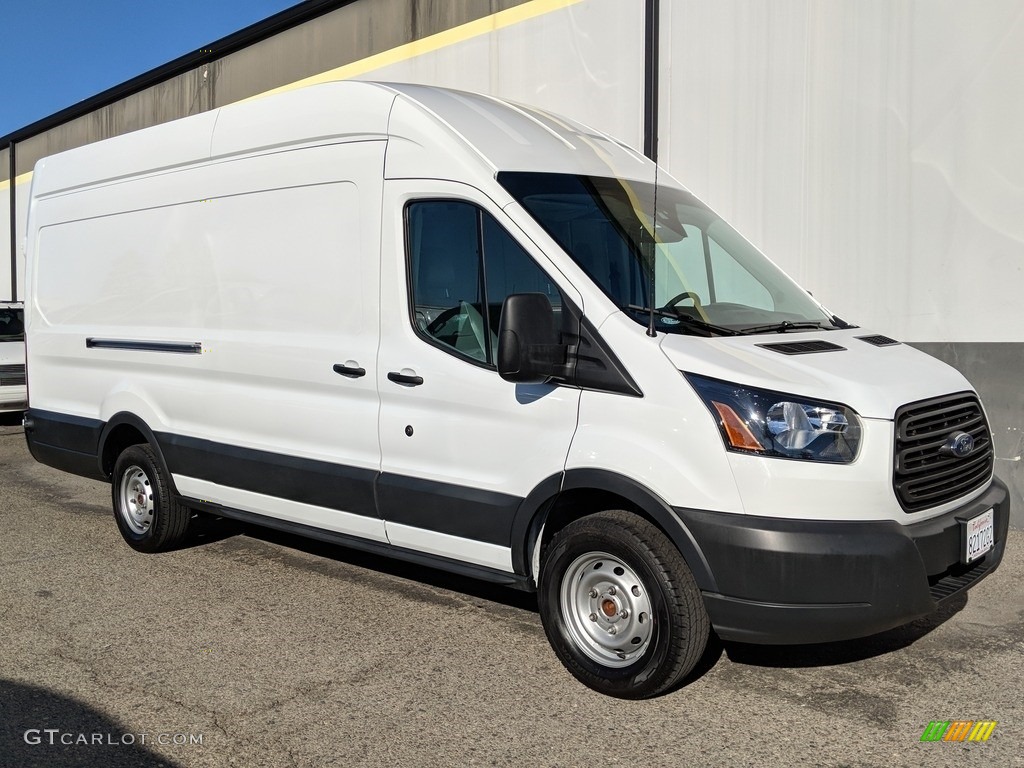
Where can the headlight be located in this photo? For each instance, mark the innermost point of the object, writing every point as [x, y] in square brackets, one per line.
[775, 424]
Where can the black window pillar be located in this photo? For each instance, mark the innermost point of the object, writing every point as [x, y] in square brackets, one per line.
[13, 226]
[652, 34]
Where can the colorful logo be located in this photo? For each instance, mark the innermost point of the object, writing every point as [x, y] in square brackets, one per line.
[958, 730]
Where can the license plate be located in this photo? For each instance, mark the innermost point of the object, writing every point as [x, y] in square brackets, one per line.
[979, 536]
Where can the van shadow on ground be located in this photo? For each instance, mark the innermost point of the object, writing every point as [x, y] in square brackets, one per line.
[433, 577]
[792, 656]
[28, 712]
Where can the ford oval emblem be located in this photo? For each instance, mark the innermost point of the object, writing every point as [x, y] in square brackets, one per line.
[958, 444]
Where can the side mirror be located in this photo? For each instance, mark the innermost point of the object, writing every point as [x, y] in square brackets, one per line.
[528, 348]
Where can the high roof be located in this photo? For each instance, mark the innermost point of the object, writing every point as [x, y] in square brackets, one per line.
[434, 132]
[515, 137]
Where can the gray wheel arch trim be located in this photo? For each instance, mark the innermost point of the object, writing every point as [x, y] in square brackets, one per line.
[124, 418]
[536, 506]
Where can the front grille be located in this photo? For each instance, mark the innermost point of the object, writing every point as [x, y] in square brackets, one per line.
[12, 375]
[925, 476]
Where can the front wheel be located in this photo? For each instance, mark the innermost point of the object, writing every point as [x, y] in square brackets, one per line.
[620, 607]
[149, 517]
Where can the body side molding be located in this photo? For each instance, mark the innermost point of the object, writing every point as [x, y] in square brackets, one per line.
[367, 545]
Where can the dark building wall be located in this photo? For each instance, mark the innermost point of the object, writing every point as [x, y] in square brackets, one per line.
[349, 33]
[993, 369]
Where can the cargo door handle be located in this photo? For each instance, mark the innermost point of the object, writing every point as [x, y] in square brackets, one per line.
[401, 378]
[349, 370]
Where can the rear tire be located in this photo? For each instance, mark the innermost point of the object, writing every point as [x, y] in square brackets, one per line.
[148, 516]
[620, 607]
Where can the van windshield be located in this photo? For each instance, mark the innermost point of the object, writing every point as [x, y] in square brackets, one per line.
[695, 271]
[12, 324]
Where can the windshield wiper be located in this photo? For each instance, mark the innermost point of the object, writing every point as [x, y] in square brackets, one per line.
[694, 324]
[785, 325]
[842, 324]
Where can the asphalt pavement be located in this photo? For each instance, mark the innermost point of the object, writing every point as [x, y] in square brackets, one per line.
[251, 648]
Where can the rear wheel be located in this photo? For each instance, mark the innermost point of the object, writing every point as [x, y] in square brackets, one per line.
[147, 514]
[620, 607]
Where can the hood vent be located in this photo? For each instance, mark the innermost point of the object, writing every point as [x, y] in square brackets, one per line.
[878, 340]
[803, 347]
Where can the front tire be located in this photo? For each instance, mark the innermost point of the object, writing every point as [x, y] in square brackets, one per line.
[147, 514]
[620, 607]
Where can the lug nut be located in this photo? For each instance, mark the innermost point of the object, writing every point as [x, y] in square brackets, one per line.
[612, 630]
[624, 614]
[593, 617]
[594, 593]
[611, 590]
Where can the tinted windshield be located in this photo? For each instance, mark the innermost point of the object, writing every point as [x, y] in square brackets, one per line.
[703, 270]
[12, 324]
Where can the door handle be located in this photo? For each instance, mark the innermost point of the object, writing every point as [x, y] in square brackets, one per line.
[401, 378]
[349, 371]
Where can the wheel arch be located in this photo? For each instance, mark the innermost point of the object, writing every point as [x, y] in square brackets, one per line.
[122, 430]
[560, 499]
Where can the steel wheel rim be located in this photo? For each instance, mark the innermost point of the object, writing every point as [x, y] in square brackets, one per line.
[607, 609]
[136, 500]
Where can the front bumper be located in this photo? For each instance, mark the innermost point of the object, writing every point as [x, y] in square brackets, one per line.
[812, 581]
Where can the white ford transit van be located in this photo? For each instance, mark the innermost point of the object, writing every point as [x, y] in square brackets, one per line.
[481, 337]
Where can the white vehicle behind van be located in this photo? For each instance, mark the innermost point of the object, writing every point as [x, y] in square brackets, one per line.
[477, 336]
[13, 393]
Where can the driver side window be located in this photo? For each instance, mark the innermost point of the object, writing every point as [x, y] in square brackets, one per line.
[462, 264]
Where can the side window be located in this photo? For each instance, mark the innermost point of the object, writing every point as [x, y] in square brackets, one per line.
[462, 265]
[444, 253]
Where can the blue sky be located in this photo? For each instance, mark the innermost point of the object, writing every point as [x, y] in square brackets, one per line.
[54, 53]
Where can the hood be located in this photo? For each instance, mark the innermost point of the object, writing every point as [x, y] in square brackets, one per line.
[873, 380]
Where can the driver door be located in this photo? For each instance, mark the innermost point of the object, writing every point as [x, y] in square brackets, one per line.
[461, 448]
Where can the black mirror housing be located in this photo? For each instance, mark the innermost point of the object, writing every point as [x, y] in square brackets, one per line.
[528, 348]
